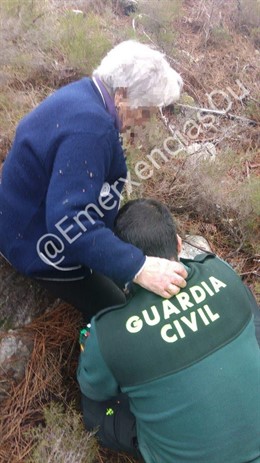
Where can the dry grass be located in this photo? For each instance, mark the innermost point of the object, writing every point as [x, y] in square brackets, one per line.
[44, 45]
[216, 61]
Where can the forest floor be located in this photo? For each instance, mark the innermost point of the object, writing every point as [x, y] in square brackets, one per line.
[215, 46]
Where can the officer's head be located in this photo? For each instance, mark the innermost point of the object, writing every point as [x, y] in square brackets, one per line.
[148, 225]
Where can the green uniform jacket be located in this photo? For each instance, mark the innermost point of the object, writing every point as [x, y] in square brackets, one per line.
[190, 366]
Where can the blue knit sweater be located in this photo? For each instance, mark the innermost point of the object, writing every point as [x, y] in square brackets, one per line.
[60, 190]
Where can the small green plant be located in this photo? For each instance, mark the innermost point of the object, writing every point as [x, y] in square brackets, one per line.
[249, 12]
[155, 22]
[218, 36]
[11, 114]
[25, 9]
[38, 43]
[250, 212]
[218, 193]
[63, 438]
[253, 110]
[255, 36]
[164, 11]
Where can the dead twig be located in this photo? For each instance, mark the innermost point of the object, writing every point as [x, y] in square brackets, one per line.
[250, 273]
[218, 112]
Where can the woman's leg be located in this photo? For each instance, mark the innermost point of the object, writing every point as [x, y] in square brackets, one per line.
[89, 295]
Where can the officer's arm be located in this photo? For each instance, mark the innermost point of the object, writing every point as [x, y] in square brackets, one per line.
[95, 379]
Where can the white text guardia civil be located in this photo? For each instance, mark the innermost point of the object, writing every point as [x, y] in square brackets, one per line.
[179, 326]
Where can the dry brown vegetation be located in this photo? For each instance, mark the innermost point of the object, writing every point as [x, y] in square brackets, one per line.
[215, 46]
[49, 379]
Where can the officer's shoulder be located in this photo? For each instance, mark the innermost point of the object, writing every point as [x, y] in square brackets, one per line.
[109, 311]
[201, 257]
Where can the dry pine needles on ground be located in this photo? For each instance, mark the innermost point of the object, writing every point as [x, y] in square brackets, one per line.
[49, 377]
[54, 336]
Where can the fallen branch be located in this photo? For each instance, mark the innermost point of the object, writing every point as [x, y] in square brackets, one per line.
[218, 112]
[250, 273]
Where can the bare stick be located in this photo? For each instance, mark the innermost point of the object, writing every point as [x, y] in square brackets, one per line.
[218, 112]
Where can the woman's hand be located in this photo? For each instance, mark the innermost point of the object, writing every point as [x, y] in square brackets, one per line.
[161, 276]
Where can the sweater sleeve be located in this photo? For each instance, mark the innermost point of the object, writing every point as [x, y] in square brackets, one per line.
[94, 377]
[75, 213]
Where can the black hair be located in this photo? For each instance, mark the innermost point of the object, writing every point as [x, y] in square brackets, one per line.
[148, 225]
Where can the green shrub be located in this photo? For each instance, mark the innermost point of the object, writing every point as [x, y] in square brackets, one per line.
[216, 192]
[249, 12]
[248, 19]
[252, 110]
[163, 11]
[83, 40]
[38, 44]
[26, 10]
[155, 22]
[255, 35]
[218, 36]
[250, 193]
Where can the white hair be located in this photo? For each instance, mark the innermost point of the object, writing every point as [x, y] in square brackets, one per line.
[143, 71]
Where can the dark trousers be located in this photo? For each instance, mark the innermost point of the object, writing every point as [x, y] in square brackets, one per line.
[114, 422]
[89, 295]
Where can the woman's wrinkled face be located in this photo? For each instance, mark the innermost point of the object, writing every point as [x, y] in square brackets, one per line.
[131, 117]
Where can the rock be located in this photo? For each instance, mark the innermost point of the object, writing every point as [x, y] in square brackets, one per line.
[187, 99]
[15, 352]
[128, 6]
[77, 12]
[21, 301]
[21, 298]
[194, 245]
[199, 152]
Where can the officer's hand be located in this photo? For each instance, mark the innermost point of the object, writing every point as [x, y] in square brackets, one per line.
[162, 276]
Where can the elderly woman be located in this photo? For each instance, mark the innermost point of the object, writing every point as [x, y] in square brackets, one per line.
[62, 181]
